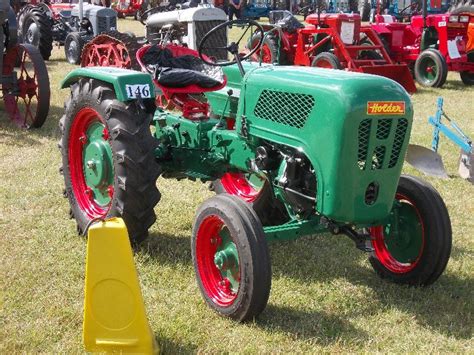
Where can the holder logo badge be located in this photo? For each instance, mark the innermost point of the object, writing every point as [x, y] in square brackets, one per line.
[385, 107]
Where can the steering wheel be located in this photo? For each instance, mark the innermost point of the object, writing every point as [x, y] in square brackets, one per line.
[413, 6]
[233, 47]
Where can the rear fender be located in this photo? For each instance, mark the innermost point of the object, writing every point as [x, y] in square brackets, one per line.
[128, 84]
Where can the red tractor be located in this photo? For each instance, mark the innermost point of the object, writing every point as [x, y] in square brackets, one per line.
[432, 44]
[24, 81]
[129, 7]
[335, 41]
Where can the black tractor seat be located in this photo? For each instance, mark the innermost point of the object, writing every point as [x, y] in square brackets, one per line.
[178, 71]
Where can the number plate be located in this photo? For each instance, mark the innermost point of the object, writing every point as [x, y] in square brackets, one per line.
[138, 91]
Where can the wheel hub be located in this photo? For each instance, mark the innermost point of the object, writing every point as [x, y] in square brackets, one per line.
[98, 165]
[32, 36]
[404, 235]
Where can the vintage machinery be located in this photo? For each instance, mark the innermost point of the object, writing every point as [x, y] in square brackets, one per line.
[67, 24]
[254, 9]
[432, 44]
[335, 41]
[327, 146]
[130, 7]
[184, 27]
[24, 81]
[430, 162]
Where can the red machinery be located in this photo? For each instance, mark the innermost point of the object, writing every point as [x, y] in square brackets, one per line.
[24, 80]
[336, 41]
[432, 44]
[129, 7]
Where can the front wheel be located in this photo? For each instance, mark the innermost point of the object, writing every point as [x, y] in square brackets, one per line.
[255, 191]
[231, 258]
[431, 69]
[414, 246]
[326, 60]
[73, 47]
[107, 159]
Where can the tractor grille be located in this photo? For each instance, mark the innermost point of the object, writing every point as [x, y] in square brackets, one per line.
[283, 107]
[105, 24]
[381, 147]
[218, 39]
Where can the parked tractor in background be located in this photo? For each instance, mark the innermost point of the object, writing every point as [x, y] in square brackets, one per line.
[72, 25]
[133, 8]
[334, 41]
[24, 81]
[432, 44]
[327, 148]
[184, 27]
[255, 9]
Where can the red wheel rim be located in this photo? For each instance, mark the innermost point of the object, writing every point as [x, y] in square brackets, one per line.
[209, 239]
[238, 185]
[382, 252]
[77, 141]
[26, 101]
[323, 63]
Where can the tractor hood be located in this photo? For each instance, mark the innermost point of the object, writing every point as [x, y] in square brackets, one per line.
[200, 13]
[354, 128]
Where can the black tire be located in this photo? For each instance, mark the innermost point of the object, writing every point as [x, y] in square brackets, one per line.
[269, 210]
[369, 54]
[467, 77]
[330, 61]
[120, 14]
[364, 10]
[36, 29]
[254, 267]
[437, 235]
[461, 8]
[431, 58]
[134, 167]
[73, 46]
[277, 55]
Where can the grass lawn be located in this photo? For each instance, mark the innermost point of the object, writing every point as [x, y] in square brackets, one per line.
[325, 296]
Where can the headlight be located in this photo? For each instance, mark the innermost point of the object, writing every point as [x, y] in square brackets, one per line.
[453, 18]
[464, 18]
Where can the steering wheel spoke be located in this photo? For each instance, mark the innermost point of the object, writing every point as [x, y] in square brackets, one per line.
[232, 47]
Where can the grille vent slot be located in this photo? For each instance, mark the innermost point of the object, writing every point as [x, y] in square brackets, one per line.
[283, 107]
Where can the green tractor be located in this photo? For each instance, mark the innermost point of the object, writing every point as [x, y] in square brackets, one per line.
[291, 151]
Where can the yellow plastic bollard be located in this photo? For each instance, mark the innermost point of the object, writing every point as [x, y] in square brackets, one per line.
[114, 312]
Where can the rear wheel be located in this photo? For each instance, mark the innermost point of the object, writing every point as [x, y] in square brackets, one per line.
[26, 96]
[414, 246]
[270, 50]
[73, 47]
[36, 30]
[468, 77]
[107, 159]
[111, 49]
[431, 69]
[231, 258]
[326, 60]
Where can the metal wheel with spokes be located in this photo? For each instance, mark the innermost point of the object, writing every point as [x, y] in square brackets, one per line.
[231, 258]
[413, 247]
[26, 93]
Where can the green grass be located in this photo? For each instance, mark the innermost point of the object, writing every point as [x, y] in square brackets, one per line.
[325, 296]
